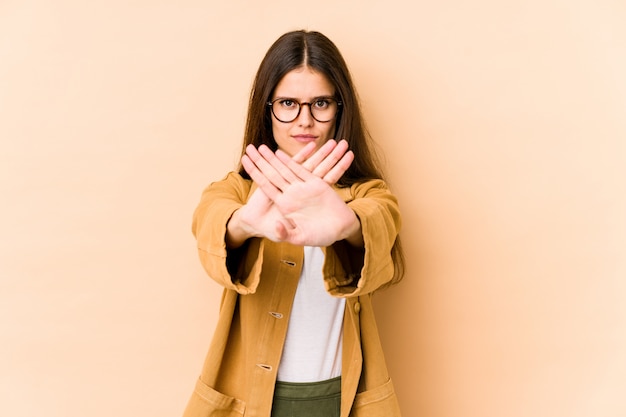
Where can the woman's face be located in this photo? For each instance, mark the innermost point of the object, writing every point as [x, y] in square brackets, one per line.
[302, 85]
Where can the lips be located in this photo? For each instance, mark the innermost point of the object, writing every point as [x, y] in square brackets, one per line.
[304, 138]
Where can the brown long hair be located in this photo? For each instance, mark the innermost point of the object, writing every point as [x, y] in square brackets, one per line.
[314, 50]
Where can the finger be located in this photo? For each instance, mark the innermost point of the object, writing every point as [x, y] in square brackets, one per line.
[331, 160]
[271, 191]
[337, 171]
[280, 231]
[300, 171]
[280, 168]
[304, 153]
[331, 177]
[265, 168]
[286, 231]
[319, 155]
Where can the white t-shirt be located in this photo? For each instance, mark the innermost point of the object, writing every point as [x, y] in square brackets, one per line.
[313, 346]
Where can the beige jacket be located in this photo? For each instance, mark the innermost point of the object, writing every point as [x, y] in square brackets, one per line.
[260, 280]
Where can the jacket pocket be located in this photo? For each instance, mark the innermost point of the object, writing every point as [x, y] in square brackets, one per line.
[207, 402]
[378, 402]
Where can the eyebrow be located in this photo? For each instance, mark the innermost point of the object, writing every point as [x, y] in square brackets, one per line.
[300, 101]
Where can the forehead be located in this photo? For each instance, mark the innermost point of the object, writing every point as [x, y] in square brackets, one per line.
[304, 83]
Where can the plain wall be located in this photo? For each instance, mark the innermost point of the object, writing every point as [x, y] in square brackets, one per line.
[503, 125]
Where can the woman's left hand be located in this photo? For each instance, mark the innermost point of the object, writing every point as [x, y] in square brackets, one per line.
[313, 214]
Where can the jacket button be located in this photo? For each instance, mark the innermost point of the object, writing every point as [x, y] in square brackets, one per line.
[357, 307]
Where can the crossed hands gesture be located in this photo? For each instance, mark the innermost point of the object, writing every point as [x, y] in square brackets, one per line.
[295, 201]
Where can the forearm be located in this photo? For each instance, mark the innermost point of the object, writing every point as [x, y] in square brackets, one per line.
[354, 270]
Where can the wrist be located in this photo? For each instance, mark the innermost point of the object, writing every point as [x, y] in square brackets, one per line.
[354, 233]
[236, 233]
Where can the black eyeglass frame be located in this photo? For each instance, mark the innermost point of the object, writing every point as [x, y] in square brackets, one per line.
[270, 104]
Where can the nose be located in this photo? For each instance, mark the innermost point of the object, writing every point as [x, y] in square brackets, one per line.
[305, 118]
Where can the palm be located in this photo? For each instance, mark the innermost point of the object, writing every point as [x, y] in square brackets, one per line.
[261, 215]
[314, 215]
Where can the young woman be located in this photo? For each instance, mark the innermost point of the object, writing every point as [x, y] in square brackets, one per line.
[300, 237]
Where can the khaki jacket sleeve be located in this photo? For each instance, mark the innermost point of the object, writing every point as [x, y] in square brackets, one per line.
[235, 269]
[349, 271]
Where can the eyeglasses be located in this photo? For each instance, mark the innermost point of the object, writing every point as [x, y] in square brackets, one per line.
[286, 110]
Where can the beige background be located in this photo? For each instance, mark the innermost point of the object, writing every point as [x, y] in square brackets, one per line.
[503, 124]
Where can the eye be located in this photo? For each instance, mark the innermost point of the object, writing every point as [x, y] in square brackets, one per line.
[321, 103]
[287, 103]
